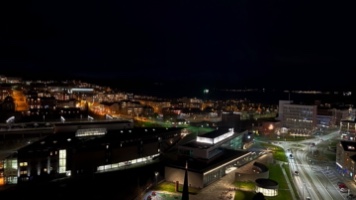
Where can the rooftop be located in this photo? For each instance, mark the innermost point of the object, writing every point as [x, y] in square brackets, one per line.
[202, 166]
[96, 137]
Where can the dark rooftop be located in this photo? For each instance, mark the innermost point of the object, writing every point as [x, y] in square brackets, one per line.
[69, 139]
[206, 165]
[348, 145]
[195, 144]
[266, 182]
[97, 121]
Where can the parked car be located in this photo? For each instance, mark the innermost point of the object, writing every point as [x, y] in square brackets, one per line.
[344, 189]
[340, 183]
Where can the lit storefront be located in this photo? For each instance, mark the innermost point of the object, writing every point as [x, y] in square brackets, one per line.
[267, 187]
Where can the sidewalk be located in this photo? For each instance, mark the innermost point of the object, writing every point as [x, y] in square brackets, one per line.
[289, 183]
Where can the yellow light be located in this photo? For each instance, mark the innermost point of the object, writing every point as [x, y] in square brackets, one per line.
[270, 127]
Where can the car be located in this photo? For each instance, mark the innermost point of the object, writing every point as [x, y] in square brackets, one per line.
[296, 173]
[342, 186]
[344, 190]
[308, 198]
[340, 183]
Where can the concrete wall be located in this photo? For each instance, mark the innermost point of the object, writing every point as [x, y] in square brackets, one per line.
[174, 174]
[259, 170]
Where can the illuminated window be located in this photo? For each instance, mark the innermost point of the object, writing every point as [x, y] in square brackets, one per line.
[62, 160]
[267, 192]
[351, 147]
[14, 164]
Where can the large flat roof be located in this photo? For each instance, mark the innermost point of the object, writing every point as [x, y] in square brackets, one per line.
[202, 166]
[215, 133]
[211, 135]
[69, 139]
[80, 122]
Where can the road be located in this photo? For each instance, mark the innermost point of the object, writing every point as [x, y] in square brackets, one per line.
[317, 178]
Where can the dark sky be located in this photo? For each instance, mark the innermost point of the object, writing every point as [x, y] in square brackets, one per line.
[240, 41]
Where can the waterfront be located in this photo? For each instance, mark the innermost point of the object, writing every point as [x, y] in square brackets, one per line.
[272, 95]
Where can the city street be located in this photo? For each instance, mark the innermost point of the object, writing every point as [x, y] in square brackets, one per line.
[317, 177]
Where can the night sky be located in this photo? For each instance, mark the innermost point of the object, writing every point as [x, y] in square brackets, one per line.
[266, 42]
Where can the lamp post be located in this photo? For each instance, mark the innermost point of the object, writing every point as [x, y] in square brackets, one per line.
[156, 174]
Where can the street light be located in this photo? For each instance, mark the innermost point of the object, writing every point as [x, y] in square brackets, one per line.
[156, 174]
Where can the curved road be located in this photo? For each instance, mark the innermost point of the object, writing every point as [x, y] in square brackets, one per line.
[312, 180]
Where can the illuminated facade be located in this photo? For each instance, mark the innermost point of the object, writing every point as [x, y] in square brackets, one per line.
[348, 130]
[269, 128]
[86, 151]
[267, 187]
[8, 171]
[2, 181]
[300, 120]
[210, 156]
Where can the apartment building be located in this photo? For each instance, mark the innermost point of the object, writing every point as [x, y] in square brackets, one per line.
[346, 159]
[300, 120]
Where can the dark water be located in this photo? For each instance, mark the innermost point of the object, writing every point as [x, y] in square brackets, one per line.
[171, 90]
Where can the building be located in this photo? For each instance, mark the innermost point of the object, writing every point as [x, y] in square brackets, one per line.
[348, 129]
[270, 127]
[346, 159]
[267, 187]
[300, 120]
[210, 156]
[66, 126]
[85, 151]
[231, 119]
[280, 107]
